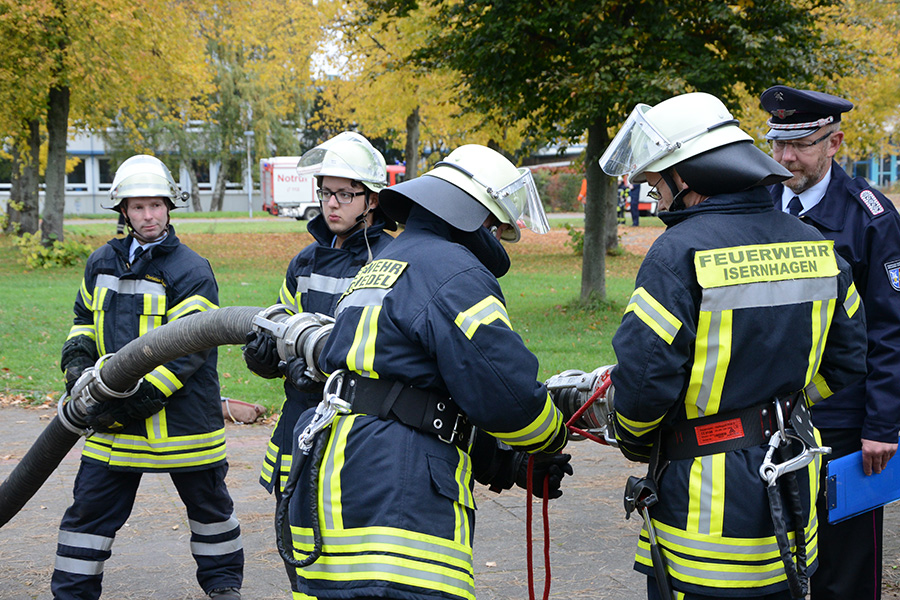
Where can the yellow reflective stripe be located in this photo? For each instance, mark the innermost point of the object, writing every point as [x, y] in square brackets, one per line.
[712, 355]
[637, 428]
[164, 380]
[171, 452]
[706, 504]
[361, 355]
[86, 297]
[463, 477]
[268, 467]
[99, 319]
[157, 426]
[487, 311]
[285, 297]
[77, 330]
[301, 595]
[653, 314]
[389, 554]
[284, 470]
[329, 489]
[822, 314]
[541, 431]
[818, 389]
[852, 301]
[190, 305]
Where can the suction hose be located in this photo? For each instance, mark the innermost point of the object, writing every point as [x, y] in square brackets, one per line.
[121, 371]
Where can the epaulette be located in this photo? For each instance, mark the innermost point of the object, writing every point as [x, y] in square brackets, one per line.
[871, 202]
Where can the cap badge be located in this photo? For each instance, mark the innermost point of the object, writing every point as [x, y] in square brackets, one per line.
[783, 112]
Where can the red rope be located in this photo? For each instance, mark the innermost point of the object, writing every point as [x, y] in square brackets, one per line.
[545, 510]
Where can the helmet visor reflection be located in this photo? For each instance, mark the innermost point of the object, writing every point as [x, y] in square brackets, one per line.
[636, 145]
[521, 201]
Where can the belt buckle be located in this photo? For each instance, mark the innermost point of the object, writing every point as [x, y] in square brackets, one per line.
[459, 425]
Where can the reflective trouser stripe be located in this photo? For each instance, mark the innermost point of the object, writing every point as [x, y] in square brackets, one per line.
[78, 566]
[88, 541]
[214, 528]
[217, 549]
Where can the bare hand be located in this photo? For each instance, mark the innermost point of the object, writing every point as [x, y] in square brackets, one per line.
[876, 455]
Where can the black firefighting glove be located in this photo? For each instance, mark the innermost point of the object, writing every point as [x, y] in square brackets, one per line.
[261, 355]
[295, 371]
[113, 415]
[78, 354]
[552, 467]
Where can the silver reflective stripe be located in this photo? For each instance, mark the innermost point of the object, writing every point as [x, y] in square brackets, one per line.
[218, 549]
[129, 286]
[143, 444]
[89, 541]
[214, 528]
[322, 283]
[655, 315]
[706, 493]
[366, 321]
[480, 316]
[713, 345]
[162, 378]
[362, 297]
[851, 300]
[823, 327]
[78, 566]
[769, 293]
[353, 543]
[538, 433]
[420, 577]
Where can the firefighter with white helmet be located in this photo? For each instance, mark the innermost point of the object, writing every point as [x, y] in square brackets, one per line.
[440, 391]
[172, 423]
[351, 228]
[741, 317]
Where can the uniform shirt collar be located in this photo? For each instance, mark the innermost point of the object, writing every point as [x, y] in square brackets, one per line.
[135, 245]
[810, 197]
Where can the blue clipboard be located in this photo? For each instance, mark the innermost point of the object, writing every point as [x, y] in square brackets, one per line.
[849, 492]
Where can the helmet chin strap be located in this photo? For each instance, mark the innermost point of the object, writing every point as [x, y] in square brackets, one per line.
[677, 195]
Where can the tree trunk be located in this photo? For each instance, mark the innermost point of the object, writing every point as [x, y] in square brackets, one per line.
[596, 214]
[57, 137]
[218, 194]
[195, 187]
[412, 144]
[612, 209]
[22, 208]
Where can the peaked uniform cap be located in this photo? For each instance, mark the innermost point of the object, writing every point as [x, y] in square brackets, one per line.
[799, 113]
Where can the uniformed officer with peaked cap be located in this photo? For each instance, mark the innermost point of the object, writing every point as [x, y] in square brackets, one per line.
[805, 135]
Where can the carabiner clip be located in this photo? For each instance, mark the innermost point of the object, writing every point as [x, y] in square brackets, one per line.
[330, 406]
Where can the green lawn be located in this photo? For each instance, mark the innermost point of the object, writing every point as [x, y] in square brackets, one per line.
[540, 290]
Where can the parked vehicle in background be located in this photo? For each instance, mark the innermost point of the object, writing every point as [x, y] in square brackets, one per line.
[287, 193]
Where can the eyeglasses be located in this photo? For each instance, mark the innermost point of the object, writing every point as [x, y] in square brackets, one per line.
[654, 194]
[343, 197]
[801, 147]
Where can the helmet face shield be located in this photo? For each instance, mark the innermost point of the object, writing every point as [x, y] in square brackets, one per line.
[636, 145]
[520, 200]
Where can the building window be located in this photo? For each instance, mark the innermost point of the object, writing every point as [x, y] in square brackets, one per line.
[105, 173]
[76, 180]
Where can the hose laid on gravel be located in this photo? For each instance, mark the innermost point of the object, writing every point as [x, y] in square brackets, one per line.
[120, 372]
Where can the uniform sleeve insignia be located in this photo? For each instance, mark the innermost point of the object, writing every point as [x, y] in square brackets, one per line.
[893, 272]
[871, 202]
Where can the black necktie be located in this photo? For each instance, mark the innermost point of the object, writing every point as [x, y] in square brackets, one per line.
[137, 254]
[794, 206]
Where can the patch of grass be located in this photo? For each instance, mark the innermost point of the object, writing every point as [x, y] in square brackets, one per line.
[541, 292]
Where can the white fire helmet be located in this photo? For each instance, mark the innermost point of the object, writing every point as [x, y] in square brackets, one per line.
[144, 176]
[509, 193]
[348, 155]
[655, 138]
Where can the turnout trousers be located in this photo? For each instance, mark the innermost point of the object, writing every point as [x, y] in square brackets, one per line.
[103, 500]
[849, 551]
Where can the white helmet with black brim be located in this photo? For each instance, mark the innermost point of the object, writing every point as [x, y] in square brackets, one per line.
[144, 176]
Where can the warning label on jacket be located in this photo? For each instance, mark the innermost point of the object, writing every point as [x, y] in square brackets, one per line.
[722, 431]
[765, 262]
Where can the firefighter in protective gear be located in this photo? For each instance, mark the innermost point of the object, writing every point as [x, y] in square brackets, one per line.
[740, 313]
[173, 422]
[441, 391]
[346, 167]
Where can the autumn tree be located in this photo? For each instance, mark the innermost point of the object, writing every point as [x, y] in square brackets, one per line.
[579, 66]
[98, 58]
[374, 85]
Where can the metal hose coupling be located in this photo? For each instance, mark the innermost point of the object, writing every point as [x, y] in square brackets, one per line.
[88, 391]
[572, 390]
[301, 335]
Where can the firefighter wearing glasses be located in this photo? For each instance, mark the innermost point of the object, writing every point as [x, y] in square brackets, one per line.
[350, 173]
[805, 134]
[173, 423]
[427, 354]
[737, 309]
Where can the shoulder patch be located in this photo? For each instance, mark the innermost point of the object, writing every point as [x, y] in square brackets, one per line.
[893, 273]
[871, 201]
